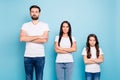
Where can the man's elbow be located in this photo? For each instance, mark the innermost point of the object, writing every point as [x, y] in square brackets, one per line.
[45, 40]
[22, 39]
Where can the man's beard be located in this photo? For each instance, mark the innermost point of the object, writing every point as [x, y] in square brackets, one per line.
[34, 17]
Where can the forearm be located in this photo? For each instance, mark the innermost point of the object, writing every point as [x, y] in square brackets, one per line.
[89, 61]
[98, 60]
[61, 51]
[69, 49]
[40, 40]
[28, 38]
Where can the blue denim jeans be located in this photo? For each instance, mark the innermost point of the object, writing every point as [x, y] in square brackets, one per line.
[36, 63]
[64, 71]
[92, 76]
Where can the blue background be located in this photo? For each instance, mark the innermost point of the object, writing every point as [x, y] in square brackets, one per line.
[101, 17]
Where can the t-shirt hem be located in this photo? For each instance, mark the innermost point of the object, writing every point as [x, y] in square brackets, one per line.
[34, 56]
[65, 62]
[92, 71]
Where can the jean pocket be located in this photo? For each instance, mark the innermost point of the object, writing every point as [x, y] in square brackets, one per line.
[27, 60]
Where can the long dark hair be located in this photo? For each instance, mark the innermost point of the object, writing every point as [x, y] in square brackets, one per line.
[61, 32]
[96, 46]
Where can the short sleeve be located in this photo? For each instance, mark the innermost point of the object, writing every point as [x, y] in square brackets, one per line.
[56, 38]
[23, 27]
[101, 52]
[47, 28]
[73, 39]
[84, 52]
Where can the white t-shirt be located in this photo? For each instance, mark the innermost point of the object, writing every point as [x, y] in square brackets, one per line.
[64, 43]
[92, 67]
[34, 49]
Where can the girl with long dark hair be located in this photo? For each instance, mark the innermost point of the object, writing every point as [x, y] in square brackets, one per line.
[65, 44]
[93, 56]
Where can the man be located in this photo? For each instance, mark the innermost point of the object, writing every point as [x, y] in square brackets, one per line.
[35, 34]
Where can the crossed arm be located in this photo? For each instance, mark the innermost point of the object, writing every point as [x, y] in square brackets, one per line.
[35, 39]
[93, 61]
[60, 50]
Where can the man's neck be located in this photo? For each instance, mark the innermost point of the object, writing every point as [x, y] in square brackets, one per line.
[35, 22]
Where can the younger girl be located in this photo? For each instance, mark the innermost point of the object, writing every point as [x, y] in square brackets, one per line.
[93, 56]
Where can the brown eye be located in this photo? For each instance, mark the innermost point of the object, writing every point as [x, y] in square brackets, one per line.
[67, 26]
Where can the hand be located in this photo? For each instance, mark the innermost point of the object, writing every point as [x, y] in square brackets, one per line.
[94, 60]
[60, 48]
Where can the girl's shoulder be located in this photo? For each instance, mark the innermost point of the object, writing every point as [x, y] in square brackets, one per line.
[73, 38]
[100, 49]
[101, 52]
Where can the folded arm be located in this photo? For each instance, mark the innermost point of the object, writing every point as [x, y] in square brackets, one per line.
[100, 59]
[42, 39]
[58, 49]
[93, 61]
[35, 39]
[88, 61]
[71, 49]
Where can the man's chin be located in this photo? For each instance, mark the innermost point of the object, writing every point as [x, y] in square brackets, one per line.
[34, 18]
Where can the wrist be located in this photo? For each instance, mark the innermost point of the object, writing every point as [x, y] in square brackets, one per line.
[95, 60]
